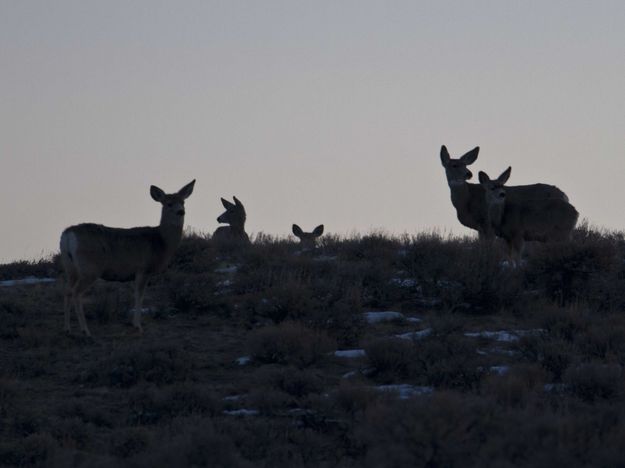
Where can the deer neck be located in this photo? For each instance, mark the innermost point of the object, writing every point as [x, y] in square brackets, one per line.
[238, 228]
[171, 231]
[459, 194]
[495, 214]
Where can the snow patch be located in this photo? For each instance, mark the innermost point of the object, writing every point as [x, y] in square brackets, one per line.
[503, 335]
[233, 397]
[499, 370]
[243, 360]
[413, 319]
[416, 335]
[350, 353]
[405, 391]
[386, 316]
[498, 351]
[27, 280]
[242, 412]
[231, 269]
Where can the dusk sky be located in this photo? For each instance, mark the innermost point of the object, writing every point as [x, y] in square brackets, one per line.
[328, 112]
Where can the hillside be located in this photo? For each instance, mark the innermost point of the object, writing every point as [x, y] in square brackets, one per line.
[273, 356]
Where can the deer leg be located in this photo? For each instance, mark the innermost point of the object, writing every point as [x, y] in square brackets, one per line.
[79, 289]
[140, 283]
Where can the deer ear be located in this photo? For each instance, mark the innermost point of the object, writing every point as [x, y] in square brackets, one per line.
[297, 231]
[318, 231]
[187, 190]
[156, 193]
[505, 175]
[484, 179]
[237, 202]
[227, 205]
[444, 156]
[471, 156]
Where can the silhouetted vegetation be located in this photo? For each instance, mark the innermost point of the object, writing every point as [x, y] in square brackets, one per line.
[481, 364]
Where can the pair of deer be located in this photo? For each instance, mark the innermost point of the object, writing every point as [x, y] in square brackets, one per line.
[537, 212]
[235, 217]
[93, 251]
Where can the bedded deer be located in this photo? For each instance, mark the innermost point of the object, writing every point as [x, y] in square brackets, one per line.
[469, 199]
[92, 251]
[545, 220]
[235, 217]
[308, 240]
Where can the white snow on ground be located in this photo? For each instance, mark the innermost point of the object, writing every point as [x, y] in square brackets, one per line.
[242, 412]
[233, 397]
[27, 280]
[350, 353]
[416, 335]
[499, 370]
[364, 372]
[503, 335]
[243, 360]
[386, 316]
[227, 269]
[499, 351]
[413, 319]
[405, 391]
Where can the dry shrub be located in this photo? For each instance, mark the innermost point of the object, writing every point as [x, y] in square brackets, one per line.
[392, 357]
[45, 267]
[291, 380]
[12, 317]
[193, 292]
[156, 363]
[190, 441]
[353, 398]
[519, 387]
[33, 450]
[290, 343]
[8, 395]
[605, 339]
[195, 254]
[129, 441]
[579, 270]
[87, 412]
[553, 354]
[447, 361]
[150, 405]
[595, 381]
[291, 300]
[72, 432]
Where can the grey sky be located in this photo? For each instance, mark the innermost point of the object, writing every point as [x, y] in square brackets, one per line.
[311, 112]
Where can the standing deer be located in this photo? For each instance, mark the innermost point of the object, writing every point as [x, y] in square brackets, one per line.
[308, 240]
[235, 217]
[546, 220]
[469, 199]
[93, 251]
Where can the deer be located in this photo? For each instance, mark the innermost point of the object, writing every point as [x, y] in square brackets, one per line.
[308, 240]
[543, 220]
[92, 251]
[469, 200]
[235, 217]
